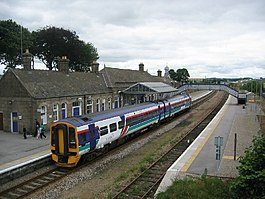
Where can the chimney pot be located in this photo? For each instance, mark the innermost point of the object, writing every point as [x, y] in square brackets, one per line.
[141, 67]
[27, 58]
[63, 64]
[159, 73]
[95, 66]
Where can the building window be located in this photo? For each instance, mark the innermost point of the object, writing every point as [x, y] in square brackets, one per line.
[116, 103]
[103, 105]
[64, 110]
[89, 105]
[76, 109]
[109, 103]
[98, 105]
[55, 112]
[43, 114]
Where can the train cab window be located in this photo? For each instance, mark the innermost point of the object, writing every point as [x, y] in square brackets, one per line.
[120, 124]
[53, 137]
[113, 127]
[103, 130]
[72, 142]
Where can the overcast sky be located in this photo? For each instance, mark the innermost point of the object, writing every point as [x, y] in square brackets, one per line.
[210, 38]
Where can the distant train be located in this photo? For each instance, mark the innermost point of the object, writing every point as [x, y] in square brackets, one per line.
[75, 136]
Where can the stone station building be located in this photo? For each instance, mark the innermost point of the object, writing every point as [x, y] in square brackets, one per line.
[27, 94]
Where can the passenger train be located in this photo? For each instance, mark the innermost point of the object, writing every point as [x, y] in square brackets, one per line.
[75, 136]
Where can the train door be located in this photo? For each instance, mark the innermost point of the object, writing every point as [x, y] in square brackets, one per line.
[14, 122]
[93, 136]
[60, 136]
[169, 109]
[159, 113]
[164, 110]
[1, 122]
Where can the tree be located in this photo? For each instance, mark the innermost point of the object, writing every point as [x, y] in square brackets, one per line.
[51, 43]
[172, 74]
[13, 39]
[251, 180]
[181, 75]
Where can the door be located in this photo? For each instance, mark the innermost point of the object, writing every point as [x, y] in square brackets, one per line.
[93, 136]
[76, 111]
[14, 122]
[1, 122]
[169, 109]
[61, 139]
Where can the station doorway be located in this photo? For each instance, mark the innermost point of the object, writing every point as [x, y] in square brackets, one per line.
[1, 122]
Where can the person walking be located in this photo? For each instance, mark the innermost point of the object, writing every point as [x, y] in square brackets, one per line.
[42, 131]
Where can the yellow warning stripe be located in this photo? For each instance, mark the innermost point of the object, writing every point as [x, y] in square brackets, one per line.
[203, 142]
[230, 157]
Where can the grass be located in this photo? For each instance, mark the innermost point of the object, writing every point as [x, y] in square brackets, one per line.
[199, 188]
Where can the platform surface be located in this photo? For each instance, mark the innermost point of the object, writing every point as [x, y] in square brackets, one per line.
[15, 150]
[200, 157]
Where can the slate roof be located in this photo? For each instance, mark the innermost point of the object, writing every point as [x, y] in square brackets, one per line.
[124, 78]
[49, 84]
[157, 87]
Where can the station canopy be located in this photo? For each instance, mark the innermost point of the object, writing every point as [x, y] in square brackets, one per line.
[150, 88]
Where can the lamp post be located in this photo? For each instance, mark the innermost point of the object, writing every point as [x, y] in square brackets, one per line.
[261, 85]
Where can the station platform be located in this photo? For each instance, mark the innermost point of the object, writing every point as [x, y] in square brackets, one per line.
[15, 151]
[200, 157]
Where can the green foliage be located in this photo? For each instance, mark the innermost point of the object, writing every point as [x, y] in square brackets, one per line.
[199, 188]
[251, 180]
[181, 75]
[51, 43]
[253, 85]
[12, 37]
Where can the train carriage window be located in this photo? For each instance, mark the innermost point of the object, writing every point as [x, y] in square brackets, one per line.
[103, 130]
[120, 124]
[113, 127]
[72, 141]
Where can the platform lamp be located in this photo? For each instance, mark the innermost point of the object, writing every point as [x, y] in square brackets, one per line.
[261, 86]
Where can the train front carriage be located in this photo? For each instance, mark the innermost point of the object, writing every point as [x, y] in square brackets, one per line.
[64, 144]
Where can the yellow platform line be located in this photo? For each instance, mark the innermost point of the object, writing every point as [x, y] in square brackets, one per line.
[203, 142]
[24, 159]
[230, 157]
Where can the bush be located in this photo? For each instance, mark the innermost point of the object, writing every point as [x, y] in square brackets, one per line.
[251, 180]
[199, 188]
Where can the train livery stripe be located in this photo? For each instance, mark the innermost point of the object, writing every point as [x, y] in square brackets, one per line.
[124, 131]
[141, 124]
[142, 113]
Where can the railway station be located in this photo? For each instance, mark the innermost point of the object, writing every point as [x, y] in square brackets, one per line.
[199, 158]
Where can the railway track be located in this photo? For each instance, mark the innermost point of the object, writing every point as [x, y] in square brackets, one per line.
[145, 185]
[28, 187]
[34, 184]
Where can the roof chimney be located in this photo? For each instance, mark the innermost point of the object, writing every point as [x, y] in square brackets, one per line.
[159, 73]
[27, 58]
[63, 64]
[95, 66]
[141, 67]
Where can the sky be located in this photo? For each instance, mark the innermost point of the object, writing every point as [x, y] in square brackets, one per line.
[210, 38]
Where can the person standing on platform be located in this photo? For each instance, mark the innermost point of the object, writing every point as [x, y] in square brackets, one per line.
[24, 132]
[37, 126]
